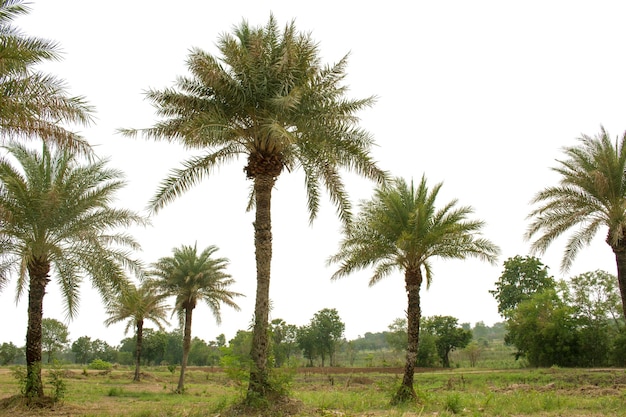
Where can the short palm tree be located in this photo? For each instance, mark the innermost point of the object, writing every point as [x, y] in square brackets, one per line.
[137, 305]
[268, 98]
[591, 195]
[57, 219]
[193, 277]
[32, 103]
[400, 228]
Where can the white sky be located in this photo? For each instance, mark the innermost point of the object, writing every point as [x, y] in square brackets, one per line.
[481, 95]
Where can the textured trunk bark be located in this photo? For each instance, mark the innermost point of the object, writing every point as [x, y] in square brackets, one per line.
[620, 260]
[138, 349]
[259, 383]
[413, 281]
[38, 270]
[186, 348]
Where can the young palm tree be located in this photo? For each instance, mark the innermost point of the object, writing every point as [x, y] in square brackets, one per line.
[591, 195]
[56, 219]
[32, 103]
[191, 277]
[268, 98]
[137, 305]
[400, 228]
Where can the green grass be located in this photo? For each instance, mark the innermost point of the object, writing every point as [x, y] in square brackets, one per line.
[445, 393]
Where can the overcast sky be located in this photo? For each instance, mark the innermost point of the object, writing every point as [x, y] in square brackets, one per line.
[481, 95]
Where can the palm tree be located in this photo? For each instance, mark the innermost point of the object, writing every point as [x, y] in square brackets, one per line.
[401, 229]
[137, 305]
[193, 277]
[33, 103]
[267, 98]
[591, 195]
[56, 220]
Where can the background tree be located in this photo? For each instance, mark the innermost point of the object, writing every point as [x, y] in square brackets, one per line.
[397, 335]
[136, 305]
[328, 329]
[307, 342]
[269, 98]
[8, 353]
[283, 338]
[401, 228]
[193, 277]
[522, 277]
[82, 349]
[596, 304]
[544, 331]
[56, 218]
[448, 336]
[54, 337]
[591, 195]
[34, 104]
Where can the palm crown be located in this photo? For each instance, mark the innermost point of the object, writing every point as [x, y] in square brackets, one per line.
[32, 103]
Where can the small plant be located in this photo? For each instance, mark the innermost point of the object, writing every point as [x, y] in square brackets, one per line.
[115, 392]
[19, 373]
[100, 365]
[171, 368]
[453, 403]
[59, 387]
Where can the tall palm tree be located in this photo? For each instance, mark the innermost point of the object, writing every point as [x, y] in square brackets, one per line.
[268, 98]
[137, 305]
[591, 195]
[191, 278]
[400, 228]
[33, 103]
[57, 219]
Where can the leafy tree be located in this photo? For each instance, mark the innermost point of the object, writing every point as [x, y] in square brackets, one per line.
[427, 356]
[522, 277]
[591, 195]
[33, 104]
[155, 346]
[8, 353]
[595, 299]
[448, 336]
[103, 351]
[57, 220]
[397, 336]
[199, 352]
[307, 342]
[82, 349]
[269, 98]
[283, 337]
[54, 337]
[544, 331]
[328, 329]
[400, 228]
[135, 305]
[473, 351]
[193, 277]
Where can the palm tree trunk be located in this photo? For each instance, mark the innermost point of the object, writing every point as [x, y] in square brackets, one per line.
[186, 348]
[139, 340]
[413, 281]
[620, 260]
[38, 270]
[259, 382]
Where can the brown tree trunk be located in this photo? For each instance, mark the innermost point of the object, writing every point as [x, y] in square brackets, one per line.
[620, 260]
[38, 270]
[186, 348]
[139, 341]
[259, 383]
[413, 281]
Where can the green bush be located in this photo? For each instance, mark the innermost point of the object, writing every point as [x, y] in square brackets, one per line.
[100, 365]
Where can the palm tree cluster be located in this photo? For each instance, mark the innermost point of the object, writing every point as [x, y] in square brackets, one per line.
[266, 97]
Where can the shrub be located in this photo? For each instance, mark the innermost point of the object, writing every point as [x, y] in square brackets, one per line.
[100, 365]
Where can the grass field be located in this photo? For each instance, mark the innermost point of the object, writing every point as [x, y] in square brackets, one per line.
[336, 392]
